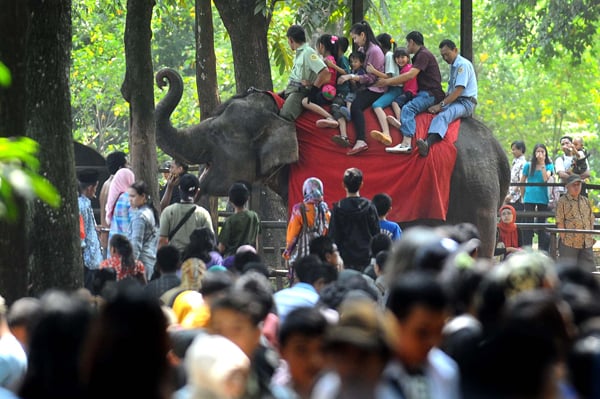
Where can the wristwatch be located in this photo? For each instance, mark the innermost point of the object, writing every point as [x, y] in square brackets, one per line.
[442, 104]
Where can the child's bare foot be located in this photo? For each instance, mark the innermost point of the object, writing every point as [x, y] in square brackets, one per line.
[392, 121]
[328, 122]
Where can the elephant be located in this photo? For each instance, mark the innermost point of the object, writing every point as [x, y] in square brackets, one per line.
[246, 139]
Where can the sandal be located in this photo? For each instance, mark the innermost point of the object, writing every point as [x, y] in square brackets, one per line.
[383, 138]
[342, 141]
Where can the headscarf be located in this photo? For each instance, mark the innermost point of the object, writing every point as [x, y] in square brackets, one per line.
[507, 232]
[123, 179]
[312, 191]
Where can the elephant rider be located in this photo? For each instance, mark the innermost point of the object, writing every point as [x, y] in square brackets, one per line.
[460, 100]
[429, 80]
[308, 73]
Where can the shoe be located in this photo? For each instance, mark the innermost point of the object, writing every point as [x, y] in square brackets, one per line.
[423, 147]
[330, 123]
[399, 149]
[358, 150]
[342, 141]
[392, 121]
[381, 137]
[346, 112]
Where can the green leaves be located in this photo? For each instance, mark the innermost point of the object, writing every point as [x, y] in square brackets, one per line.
[5, 78]
[19, 177]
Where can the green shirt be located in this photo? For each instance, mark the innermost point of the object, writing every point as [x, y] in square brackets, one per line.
[239, 229]
[307, 64]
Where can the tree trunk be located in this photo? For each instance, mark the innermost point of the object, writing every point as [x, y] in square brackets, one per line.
[248, 35]
[137, 89]
[53, 233]
[14, 22]
[206, 61]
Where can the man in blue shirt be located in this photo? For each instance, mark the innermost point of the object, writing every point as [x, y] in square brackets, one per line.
[90, 244]
[313, 275]
[460, 100]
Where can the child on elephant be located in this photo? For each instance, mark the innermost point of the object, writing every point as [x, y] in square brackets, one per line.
[396, 96]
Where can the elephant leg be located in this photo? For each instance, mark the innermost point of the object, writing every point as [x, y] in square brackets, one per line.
[486, 223]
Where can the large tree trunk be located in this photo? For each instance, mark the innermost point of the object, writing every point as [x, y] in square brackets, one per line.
[53, 233]
[137, 89]
[14, 22]
[248, 35]
[206, 61]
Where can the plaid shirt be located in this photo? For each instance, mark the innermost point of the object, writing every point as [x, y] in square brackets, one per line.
[575, 213]
[121, 216]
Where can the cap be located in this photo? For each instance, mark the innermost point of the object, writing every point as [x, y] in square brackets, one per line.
[188, 185]
[88, 176]
[573, 179]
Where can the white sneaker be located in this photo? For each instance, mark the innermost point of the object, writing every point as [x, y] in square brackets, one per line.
[399, 149]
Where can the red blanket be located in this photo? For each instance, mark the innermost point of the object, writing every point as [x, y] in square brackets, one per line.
[419, 187]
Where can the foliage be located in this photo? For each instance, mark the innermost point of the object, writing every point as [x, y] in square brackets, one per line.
[548, 28]
[19, 177]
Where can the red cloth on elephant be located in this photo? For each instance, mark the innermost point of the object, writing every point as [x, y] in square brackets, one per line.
[419, 187]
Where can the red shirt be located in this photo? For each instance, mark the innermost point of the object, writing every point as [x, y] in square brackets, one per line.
[115, 263]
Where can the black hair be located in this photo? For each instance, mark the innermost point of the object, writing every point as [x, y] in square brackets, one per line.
[296, 33]
[359, 55]
[401, 52]
[380, 242]
[141, 188]
[386, 42]
[415, 288]
[447, 43]
[240, 259]
[330, 43]
[202, 241]
[306, 321]
[123, 247]
[257, 267]
[353, 178]
[533, 160]
[416, 37]
[566, 137]
[364, 27]
[343, 44]
[184, 166]
[101, 279]
[380, 260]
[115, 161]
[310, 268]
[520, 144]
[259, 286]
[167, 258]
[321, 246]
[239, 194]
[243, 302]
[582, 362]
[215, 281]
[383, 203]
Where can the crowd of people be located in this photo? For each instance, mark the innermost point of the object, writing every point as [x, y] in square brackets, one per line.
[173, 308]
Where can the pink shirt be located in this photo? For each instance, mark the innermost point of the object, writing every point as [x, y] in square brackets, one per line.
[410, 86]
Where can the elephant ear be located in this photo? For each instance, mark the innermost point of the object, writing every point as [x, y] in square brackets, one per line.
[276, 144]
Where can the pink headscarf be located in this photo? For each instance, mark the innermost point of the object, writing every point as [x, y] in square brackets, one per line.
[123, 179]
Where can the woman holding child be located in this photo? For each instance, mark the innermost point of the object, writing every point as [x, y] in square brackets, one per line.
[363, 36]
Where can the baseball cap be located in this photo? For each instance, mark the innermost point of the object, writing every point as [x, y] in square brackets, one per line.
[573, 179]
[188, 185]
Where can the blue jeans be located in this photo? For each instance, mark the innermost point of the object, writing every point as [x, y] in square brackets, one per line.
[418, 104]
[460, 108]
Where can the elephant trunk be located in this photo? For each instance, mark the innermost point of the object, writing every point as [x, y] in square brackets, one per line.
[178, 143]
